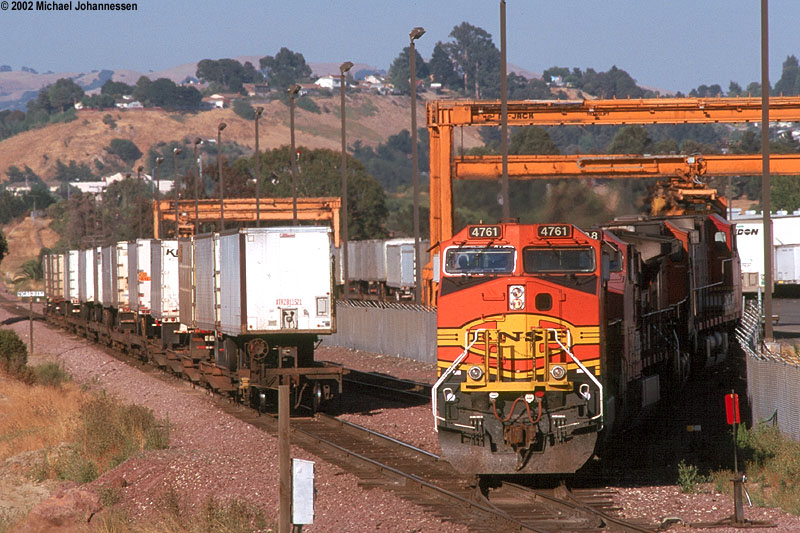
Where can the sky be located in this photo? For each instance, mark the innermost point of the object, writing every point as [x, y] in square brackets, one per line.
[673, 45]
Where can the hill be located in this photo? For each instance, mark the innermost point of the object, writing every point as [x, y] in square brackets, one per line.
[25, 238]
[370, 119]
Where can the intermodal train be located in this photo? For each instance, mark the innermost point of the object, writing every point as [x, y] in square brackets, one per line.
[380, 269]
[550, 337]
[238, 312]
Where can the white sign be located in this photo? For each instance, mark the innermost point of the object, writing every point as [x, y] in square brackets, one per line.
[302, 491]
[30, 294]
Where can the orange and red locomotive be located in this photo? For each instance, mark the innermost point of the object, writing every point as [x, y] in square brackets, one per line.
[548, 335]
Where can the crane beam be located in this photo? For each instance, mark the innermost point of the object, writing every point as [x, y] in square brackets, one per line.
[324, 209]
[444, 113]
[530, 167]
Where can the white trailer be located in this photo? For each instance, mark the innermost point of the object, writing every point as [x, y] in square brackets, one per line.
[787, 264]
[71, 277]
[750, 243]
[276, 280]
[86, 275]
[164, 284]
[139, 275]
[120, 299]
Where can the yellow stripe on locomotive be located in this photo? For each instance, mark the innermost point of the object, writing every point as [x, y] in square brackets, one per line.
[519, 352]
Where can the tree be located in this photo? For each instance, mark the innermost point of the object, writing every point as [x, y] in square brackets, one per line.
[73, 172]
[631, 140]
[532, 140]
[442, 69]
[3, 246]
[124, 149]
[64, 93]
[789, 84]
[244, 109]
[478, 60]
[734, 89]
[319, 174]
[99, 101]
[520, 88]
[285, 68]
[228, 72]
[116, 88]
[616, 83]
[400, 71]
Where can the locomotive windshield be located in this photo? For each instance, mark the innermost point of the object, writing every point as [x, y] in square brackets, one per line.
[479, 260]
[537, 260]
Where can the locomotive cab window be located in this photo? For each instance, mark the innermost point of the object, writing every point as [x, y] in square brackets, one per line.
[479, 260]
[558, 260]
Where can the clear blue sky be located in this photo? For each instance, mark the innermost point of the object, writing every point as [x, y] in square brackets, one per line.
[669, 44]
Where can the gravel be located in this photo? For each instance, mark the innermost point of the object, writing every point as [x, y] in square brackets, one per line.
[213, 454]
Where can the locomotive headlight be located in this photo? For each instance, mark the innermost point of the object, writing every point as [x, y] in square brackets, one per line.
[558, 372]
[516, 297]
[475, 373]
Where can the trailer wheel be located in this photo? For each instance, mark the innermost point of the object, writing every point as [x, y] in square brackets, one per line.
[317, 398]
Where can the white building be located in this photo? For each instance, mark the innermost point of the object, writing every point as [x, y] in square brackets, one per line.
[98, 187]
[329, 82]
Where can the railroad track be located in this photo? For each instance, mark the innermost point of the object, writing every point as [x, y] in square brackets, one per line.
[383, 386]
[422, 477]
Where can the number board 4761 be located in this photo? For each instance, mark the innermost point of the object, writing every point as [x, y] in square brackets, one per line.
[485, 232]
[554, 231]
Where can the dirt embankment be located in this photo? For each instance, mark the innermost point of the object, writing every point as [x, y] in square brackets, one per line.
[25, 238]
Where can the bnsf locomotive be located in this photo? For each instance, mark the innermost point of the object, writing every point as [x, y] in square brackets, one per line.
[238, 312]
[549, 337]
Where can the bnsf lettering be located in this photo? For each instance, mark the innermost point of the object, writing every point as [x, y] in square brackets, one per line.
[516, 336]
[747, 231]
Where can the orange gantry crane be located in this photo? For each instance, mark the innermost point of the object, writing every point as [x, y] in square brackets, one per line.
[323, 209]
[444, 116]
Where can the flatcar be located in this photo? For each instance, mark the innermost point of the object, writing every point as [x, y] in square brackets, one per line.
[238, 312]
[550, 338]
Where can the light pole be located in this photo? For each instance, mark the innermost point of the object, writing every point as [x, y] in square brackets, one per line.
[176, 184]
[259, 111]
[343, 68]
[504, 112]
[293, 90]
[221, 127]
[415, 34]
[140, 201]
[197, 140]
[156, 195]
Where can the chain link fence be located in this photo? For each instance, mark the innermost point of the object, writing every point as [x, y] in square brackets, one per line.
[407, 330]
[773, 377]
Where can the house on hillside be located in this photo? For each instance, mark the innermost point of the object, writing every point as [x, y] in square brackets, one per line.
[329, 82]
[99, 187]
[217, 101]
[259, 90]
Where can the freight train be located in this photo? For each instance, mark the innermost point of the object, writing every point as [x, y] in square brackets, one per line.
[380, 269]
[238, 312]
[550, 338]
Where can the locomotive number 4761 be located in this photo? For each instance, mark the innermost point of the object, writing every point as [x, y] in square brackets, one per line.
[555, 230]
[485, 232]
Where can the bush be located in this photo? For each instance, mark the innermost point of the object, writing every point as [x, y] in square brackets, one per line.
[124, 149]
[51, 375]
[244, 109]
[107, 433]
[305, 102]
[688, 477]
[13, 353]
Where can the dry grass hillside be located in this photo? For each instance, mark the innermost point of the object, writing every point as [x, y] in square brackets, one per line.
[370, 119]
[25, 238]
